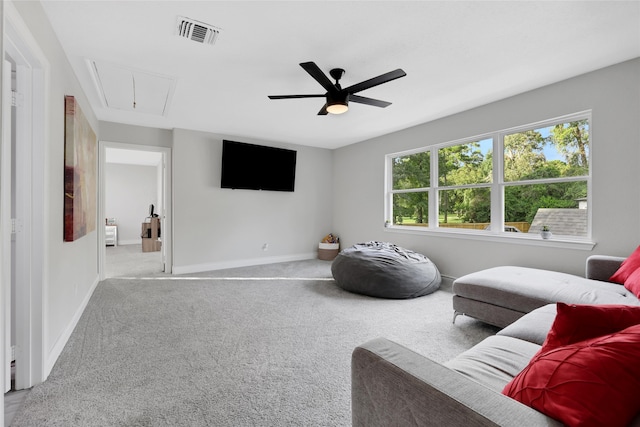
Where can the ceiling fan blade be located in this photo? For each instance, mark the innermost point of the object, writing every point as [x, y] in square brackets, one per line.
[383, 78]
[369, 101]
[323, 111]
[294, 96]
[315, 72]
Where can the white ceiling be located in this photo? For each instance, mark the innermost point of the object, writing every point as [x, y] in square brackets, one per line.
[457, 55]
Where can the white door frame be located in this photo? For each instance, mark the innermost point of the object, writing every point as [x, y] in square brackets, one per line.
[31, 220]
[5, 227]
[165, 215]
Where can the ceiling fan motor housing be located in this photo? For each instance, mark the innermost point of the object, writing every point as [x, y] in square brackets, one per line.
[336, 73]
[338, 98]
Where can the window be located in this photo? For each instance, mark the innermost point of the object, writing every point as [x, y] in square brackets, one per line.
[546, 175]
[541, 178]
[464, 178]
[410, 189]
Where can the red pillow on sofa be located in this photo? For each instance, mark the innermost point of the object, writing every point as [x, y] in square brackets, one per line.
[632, 284]
[627, 267]
[595, 382]
[578, 322]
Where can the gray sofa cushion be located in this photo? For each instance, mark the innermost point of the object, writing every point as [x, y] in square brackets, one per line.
[526, 289]
[385, 270]
[494, 361]
[534, 326]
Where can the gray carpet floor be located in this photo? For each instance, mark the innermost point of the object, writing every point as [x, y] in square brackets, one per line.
[258, 346]
[129, 260]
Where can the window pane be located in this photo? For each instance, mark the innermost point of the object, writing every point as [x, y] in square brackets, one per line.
[468, 208]
[469, 163]
[411, 209]
[551, 152]
[411, 171]
[560, 206]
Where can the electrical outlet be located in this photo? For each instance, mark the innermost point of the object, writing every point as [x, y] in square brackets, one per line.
[265, 247]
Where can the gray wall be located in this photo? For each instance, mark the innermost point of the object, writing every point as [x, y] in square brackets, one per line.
[129, 189]
[117, 132]
[215, 227]
[613, 95]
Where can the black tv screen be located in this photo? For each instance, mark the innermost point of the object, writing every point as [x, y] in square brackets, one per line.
[257, 167]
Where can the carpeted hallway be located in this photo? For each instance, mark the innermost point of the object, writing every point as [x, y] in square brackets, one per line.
[129, 260]
[257, 346]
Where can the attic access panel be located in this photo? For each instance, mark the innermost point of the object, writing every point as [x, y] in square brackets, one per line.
[125, 88]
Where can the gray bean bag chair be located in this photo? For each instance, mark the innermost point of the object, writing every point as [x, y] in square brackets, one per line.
[385, 270]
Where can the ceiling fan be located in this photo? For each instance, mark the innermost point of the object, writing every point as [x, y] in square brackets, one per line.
[337, 97]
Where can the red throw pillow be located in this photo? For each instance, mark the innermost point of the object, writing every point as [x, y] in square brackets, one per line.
[578, 322]
[627, 267]
[590, 383]
[632, 284]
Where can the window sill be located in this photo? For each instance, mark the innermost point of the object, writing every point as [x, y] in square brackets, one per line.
[563, 242]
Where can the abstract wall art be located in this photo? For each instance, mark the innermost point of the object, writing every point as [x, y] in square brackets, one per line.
[80, 201]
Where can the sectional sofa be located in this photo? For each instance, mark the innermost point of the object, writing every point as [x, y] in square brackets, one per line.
[394, 386]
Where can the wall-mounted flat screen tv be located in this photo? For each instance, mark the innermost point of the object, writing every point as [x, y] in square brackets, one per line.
[257, 167]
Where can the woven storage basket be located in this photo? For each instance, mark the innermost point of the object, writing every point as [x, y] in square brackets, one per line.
[328, 251]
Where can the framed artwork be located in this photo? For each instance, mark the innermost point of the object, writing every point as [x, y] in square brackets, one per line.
[80, 201]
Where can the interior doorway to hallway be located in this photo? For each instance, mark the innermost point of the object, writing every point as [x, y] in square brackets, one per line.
[134, 179]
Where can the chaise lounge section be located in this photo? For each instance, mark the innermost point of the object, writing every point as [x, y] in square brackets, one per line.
[501, 295]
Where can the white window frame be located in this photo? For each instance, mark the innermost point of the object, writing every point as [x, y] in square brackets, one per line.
[497, 186]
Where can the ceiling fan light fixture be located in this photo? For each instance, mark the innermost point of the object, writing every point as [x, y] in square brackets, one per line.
[337, 103]
[338, 107]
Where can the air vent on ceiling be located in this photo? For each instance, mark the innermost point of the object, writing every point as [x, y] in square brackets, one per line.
[197, 31]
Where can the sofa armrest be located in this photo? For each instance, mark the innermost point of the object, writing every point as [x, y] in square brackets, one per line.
[394, 386]
[601, 267]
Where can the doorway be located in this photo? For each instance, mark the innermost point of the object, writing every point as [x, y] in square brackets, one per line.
[134, 179]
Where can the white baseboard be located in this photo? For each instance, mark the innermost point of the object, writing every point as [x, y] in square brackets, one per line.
[55, 352]
[198, 268]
